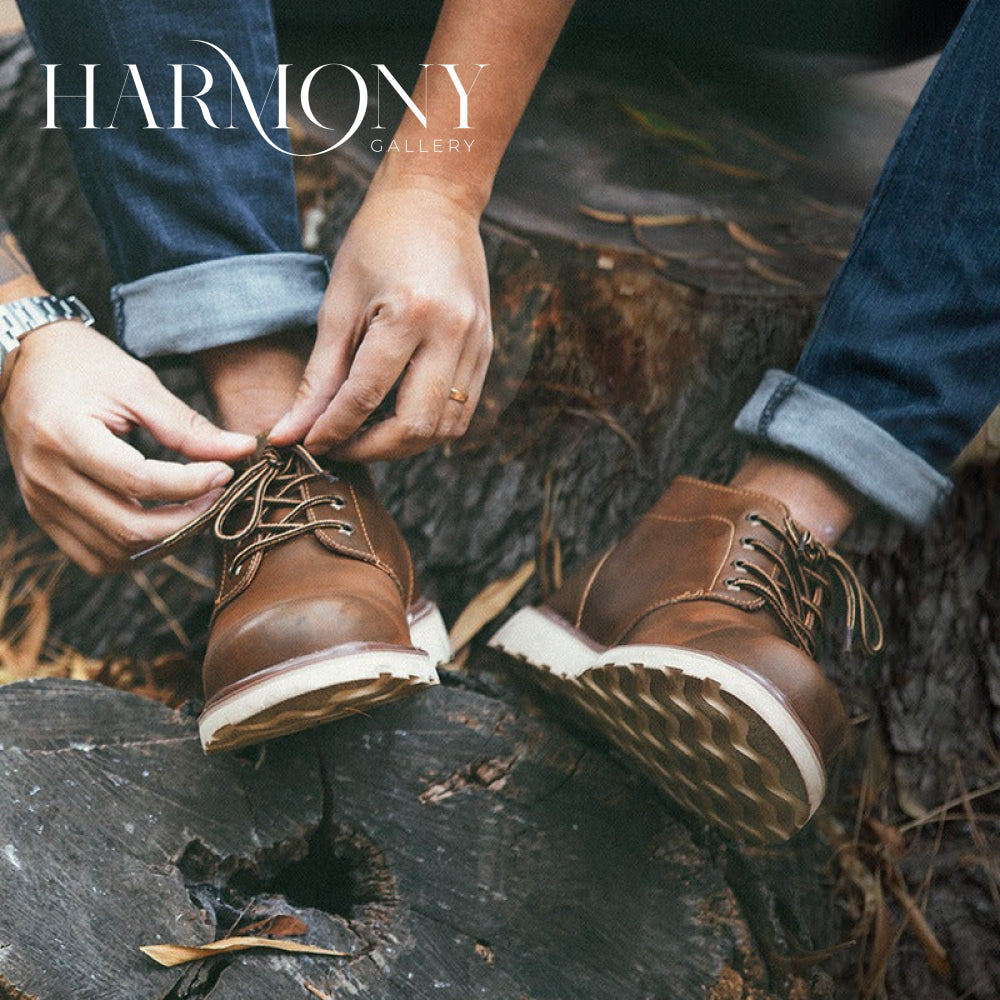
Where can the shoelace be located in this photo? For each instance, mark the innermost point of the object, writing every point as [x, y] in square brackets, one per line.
[270, 483]
[797, 591]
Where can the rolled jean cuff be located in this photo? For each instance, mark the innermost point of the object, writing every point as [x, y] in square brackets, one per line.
[218, 302]
[789, 413]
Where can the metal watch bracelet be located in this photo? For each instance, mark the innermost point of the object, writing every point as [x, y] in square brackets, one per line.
[24, 315]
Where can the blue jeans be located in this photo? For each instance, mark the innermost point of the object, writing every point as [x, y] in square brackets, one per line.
[200, 224]
[904, 364]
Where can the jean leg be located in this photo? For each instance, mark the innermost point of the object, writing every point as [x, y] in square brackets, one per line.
[908, 339]
[181, 210]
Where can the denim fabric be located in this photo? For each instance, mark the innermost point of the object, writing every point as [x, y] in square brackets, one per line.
[791, 414]
[219, 302]
[166, 199]
[908, 339]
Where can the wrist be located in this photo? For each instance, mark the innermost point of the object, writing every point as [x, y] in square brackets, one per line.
[24, 286]
[28, 314]
[404, 172]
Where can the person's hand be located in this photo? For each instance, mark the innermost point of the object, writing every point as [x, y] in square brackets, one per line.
[409, 296]
[70, 396]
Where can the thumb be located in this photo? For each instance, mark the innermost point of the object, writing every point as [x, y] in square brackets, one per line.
[177, 426]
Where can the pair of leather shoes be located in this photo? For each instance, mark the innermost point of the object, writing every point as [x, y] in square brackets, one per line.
[691, 644]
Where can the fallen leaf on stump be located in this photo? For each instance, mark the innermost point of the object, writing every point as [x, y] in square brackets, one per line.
[177, 954]
[487, 604]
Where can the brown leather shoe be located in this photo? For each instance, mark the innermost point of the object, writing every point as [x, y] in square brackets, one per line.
[317, 613]
[691, 644]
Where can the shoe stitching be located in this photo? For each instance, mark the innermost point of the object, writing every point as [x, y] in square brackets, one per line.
[374, 557]
[750, 605]
[729, 490]
[585, 596]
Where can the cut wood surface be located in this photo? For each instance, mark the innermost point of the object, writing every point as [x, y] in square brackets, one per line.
[623, 351]
[454, 846]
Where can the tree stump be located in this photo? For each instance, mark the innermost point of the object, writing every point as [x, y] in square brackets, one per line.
[624, 348]
[452, 846]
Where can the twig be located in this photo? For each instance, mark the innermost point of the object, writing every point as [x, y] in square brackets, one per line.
[946, 807]
[192, 574]
[977, 836]
[161, 605]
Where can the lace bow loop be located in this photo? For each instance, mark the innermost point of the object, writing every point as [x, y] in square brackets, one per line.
[800, 579]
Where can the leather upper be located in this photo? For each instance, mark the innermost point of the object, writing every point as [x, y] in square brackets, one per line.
[324, 566]
[679, 578]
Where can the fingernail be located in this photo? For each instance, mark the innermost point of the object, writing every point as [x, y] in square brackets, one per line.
[221, 478]
[281, 427]
[243, 440]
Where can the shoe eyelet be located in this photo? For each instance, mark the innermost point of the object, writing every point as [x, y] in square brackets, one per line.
[729, 583]
[338, 503]
[739, 564]
[753, 517]
[747, 543]
[346, 529]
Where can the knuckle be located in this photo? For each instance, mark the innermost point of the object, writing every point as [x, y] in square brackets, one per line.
[136, 483]
[466, 315]
[366, 394]
[418, 428]
[415, 306]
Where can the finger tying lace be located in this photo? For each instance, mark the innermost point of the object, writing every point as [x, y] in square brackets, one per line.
[270, 483]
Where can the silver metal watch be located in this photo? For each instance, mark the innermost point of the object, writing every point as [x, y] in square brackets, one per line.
[24, 315]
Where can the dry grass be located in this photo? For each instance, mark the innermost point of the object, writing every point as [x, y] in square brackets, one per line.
[30, 570]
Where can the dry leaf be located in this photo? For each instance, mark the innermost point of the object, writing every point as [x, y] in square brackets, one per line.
[770, 274]
[487, 604]
[649, 221]
[146, 585]
[748, 241]
[729, 169]
[177, 954]
[657, 125]
[24, 657]
[833, 253]
[316, 992]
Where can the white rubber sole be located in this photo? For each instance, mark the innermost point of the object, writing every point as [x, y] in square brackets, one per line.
[715, 735]
[310, 690]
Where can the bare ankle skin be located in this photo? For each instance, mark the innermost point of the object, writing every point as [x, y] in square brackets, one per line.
[818, 500]
[252, 384]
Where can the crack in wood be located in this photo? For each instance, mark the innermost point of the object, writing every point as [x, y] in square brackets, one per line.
[85, 746]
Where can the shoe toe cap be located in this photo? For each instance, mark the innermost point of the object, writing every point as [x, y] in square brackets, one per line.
[244, 644]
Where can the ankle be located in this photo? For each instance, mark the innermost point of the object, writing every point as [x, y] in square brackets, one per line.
[817, 499]
[253, 384]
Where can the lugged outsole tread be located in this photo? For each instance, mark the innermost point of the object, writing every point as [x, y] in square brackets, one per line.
[315, 708]
[705, 748]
